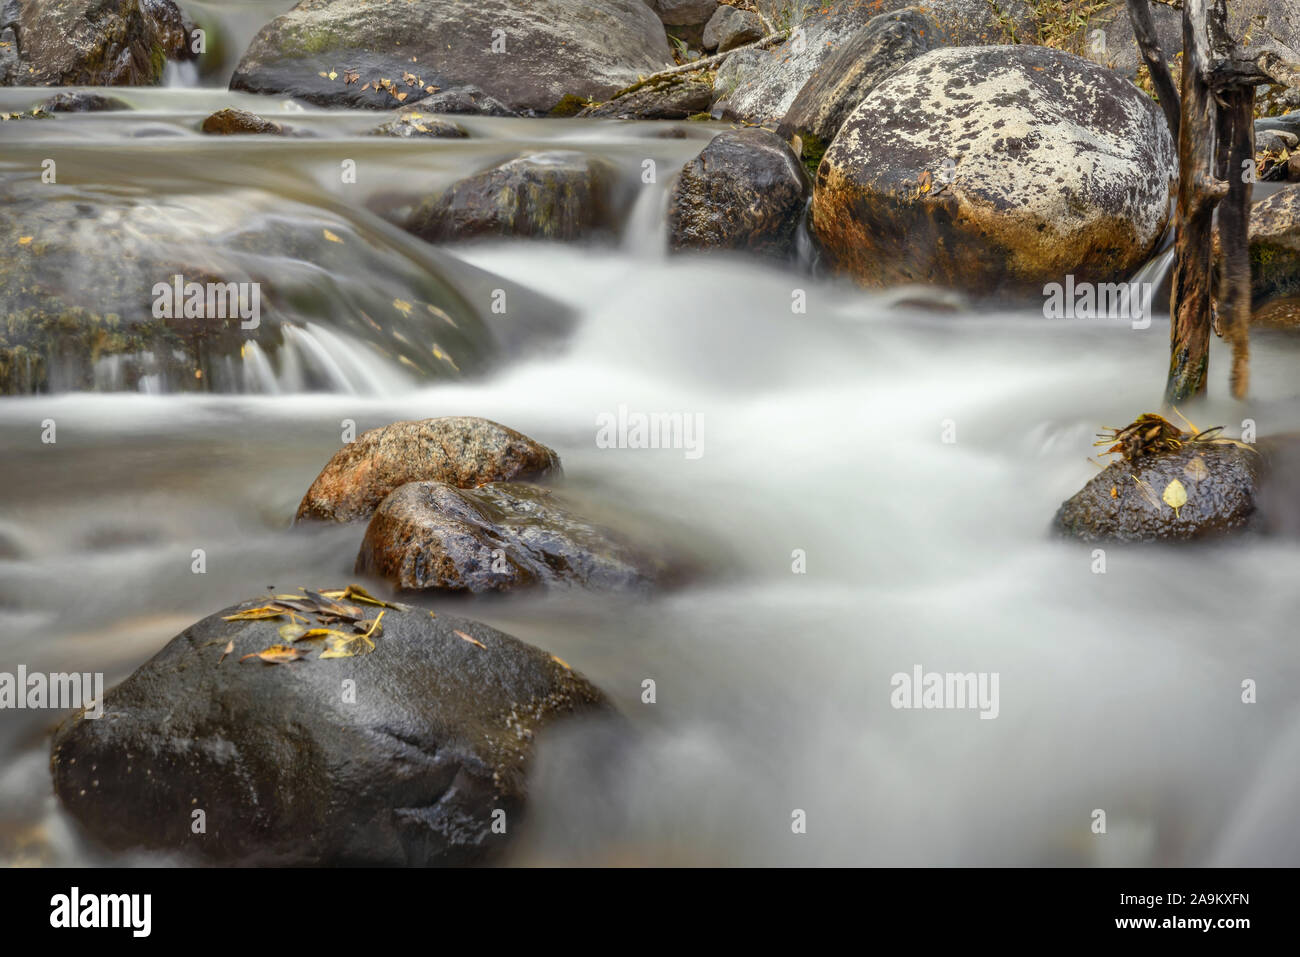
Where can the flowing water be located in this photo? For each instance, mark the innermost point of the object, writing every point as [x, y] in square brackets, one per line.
[914, 452]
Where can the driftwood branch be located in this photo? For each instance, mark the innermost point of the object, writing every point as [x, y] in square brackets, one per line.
[1144, 30]
[1199, 192]
[708, 63]
[1237, 164]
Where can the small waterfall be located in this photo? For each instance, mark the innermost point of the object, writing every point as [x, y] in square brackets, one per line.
[646, 232]
[1156, 269]
[183, 74]
[258, 375]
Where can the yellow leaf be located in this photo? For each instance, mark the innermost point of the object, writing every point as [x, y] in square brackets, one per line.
[292, 632]
[1175, 495]
[24, 240]
[330, 236]
[561, 662]
[402, 306]
[256, 614]
[464, 637]
[332, 75]
[277, 654]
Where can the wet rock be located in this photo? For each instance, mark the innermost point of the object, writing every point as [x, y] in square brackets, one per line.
[498, 537]
[761, 88]
[420, 125]
[457, 450]
[559, 195]
[849, 74]
[465, 100]
[588, 48]
[92, 42]
[1275, 141]
[231, 122]
[685, 19]
[395, 757]
[1275, 258]
[673, 98]
[996, 168]
[1125, 501]
[81, 101]
[745, 191]
[731, 27]
[80, 300]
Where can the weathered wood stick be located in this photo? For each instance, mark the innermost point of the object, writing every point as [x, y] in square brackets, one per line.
[1148, 41]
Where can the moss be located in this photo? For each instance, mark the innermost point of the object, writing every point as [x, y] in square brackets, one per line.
[569, 105]
[813, 151]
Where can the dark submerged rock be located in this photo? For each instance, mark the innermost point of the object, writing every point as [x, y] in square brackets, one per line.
[231, 122]
[745, 191]
[560, 195]
[81, 101]
[457, 450]
[1221, 492]
[412, 124]
[289, 771]
[465, 100]
[501, 536]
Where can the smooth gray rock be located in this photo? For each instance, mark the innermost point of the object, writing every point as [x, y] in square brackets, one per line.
[731, 27]
[552, 48]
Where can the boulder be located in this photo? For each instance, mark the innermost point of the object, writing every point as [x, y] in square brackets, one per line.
[761, 88]
[90, 42]
[1275, 258]
[233, 122]
[1107, 36]
[467, 100]
[81, 309]
[412, 124]
[458, 450]
[745, 191]
[498, 537]
[845, 78]
[399, 754]
[559, 194]
[685, 19]
[525, 55]
[675, 97]
[731, 27]
[998, 169]
[1126, 501]
[81, 101]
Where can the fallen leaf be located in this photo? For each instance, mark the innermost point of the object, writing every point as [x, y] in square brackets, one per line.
[1175, 495]
[277, 654]
[291, 632]
[330, 236]
[24, 240]
[1114, 492]
[230, 646]
[1196, 470]
[464, 637]
[402, 306]
[256, 614]
[561, 662]
[332, 75]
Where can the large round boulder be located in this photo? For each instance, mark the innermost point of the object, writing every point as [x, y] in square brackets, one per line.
[997, 169]
[528, 56]
[90, 42]
[458, 450]
[402, 747]
[501, 536]
[745, 191]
